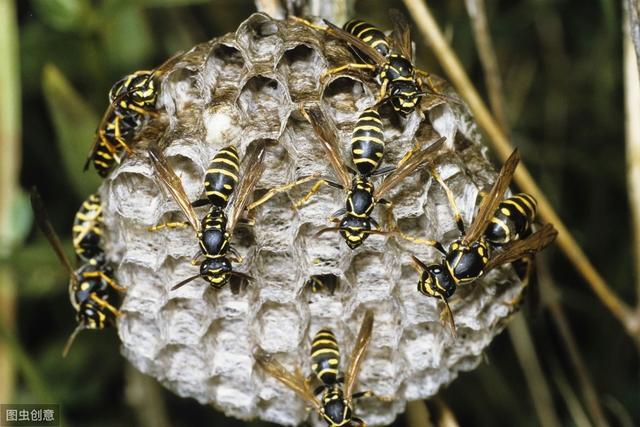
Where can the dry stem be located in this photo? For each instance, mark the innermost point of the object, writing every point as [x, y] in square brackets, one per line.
[477, 13]
[452, 66]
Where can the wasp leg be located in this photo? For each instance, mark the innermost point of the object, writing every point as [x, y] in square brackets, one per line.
[426, 76]
[357, 422]
[369, 393]
[269, 194]
[314, 190]
[452, 200]
[181, 224]
[196, 258]
[349, 67]
[142, 111]
[106, 278]
[103, 303]
[120, 138]
[335, 217]
[307, 23]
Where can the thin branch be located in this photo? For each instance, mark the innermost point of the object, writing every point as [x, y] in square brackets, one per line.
[452, 66]
[476, 10]
[447, 418]
[632, 131]
[549, 293]
[632, 11]
[273, 8]
[9, 170]
[573, 403]
[144, 395]
[418, 414]
[538, 387]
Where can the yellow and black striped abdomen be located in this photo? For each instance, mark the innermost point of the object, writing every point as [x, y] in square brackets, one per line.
[325, 357]
[512, 220]
[222, 176]
[369, 34]
[87, 229]
[367, 142]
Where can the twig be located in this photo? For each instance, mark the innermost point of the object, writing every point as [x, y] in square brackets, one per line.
[273, 8]
[447, 417]
[144, 395]
[632, 130]
[549, 294]
[452, 66]
[476, 11]
[9, 169]
[632, 12]
[418, 414]
[538, 387]
[573, 404]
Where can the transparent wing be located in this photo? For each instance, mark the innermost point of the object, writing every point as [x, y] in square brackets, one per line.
[357, 355]
[491, 201]
[42, 219]
[355, 42]
[96, 140]
[167, 175]
[401, 34]
[329, 141]
[524, 247]
[253, 166]
[407, 168]
[294, 381]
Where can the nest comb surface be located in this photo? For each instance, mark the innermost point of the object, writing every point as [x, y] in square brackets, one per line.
[245, 88]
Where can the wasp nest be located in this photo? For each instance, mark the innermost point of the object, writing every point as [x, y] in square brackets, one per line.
[245, 88]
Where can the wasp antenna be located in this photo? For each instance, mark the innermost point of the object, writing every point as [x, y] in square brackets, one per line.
[72, 339]
[185, 281]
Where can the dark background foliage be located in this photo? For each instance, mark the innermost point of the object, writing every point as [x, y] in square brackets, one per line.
[561, 62]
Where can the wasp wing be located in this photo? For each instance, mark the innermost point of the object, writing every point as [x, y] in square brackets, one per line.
[355, 42]
[524, 247]
[42, 219]
[491, 201]
[357, 354]
[253, 167]
[401, 34]
[407, 168]
[329, 140]
[167, 175]
[96, 140]
[294, 381]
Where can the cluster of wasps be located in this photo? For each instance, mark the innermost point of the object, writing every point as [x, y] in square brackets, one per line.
[501, 232]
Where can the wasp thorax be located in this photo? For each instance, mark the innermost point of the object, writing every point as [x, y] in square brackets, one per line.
[241, 89]
[337, 411]
[466, 261]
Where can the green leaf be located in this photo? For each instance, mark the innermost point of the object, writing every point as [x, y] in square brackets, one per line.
[165, 3]
[20, 219]
[127, 38]
[65, 15]
[75, 123]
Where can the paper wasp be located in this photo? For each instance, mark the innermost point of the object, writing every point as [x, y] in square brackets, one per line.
[335, 405]
[400, 81]
[215, 231]
[472, 255]
[131, 100]
[91, 287]
[356, 222]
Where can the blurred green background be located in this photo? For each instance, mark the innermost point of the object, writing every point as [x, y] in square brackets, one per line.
[561, 63]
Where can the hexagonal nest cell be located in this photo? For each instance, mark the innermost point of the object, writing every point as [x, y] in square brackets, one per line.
[248, 87]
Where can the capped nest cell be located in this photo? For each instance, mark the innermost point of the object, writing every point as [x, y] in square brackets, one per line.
[245, 88]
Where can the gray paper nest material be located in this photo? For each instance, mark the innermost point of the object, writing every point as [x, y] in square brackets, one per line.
[245, 87]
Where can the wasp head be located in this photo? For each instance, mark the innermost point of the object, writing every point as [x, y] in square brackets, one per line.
[354, 230]
[216, 271]
[335, 408]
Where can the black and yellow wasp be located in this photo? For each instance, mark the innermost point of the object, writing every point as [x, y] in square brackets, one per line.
[87, 230]
[473, 254]
[131, 100]
[91, 287]
[391, 60]
[214, 232]
[356, 222]
[335, 405]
